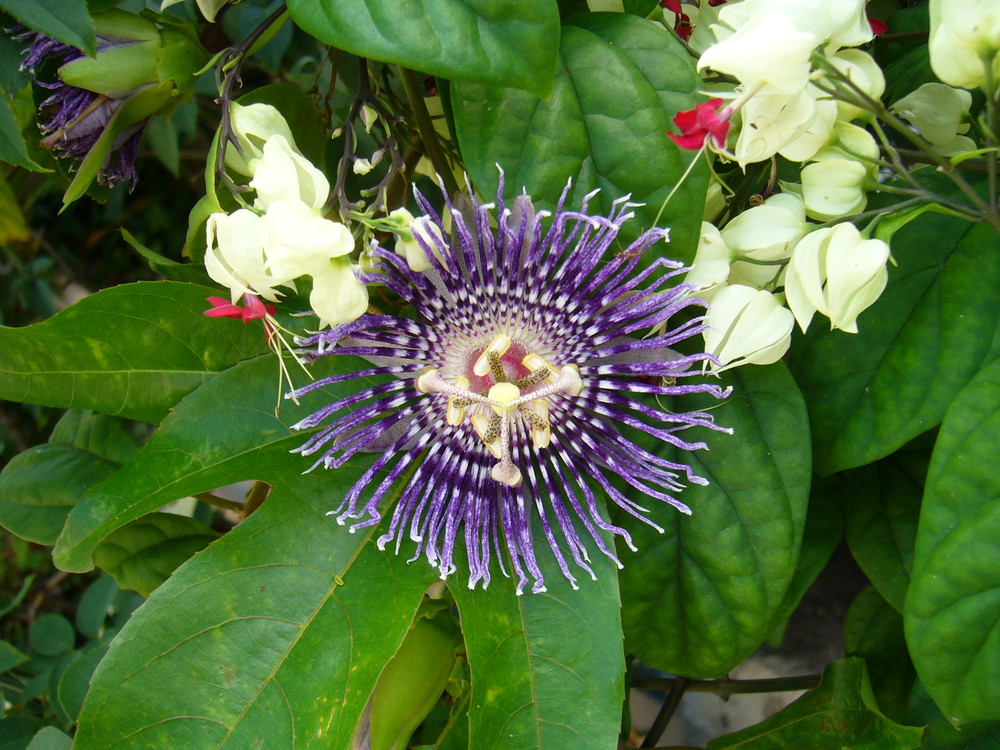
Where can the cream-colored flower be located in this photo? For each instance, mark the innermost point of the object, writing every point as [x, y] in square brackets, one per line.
[842, 23]
[860, 69]
[766, 50]
[833, 188]
[710, 267]
[416, 238]
[761, 235]
[300, 242]
[815, 135]
[963, 34]
[338, 296]
[747, 326]
[235, 255]
[835, 272]
[252, 125]
[282, 172]
[771, 121]
[941, 114]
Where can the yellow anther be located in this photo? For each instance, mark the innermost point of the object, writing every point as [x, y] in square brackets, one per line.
[425, 379]
[503, 394]
[533, 362]
[481, 424]
[570, 377]
[456, 413]
[540, 435]
[498, 346]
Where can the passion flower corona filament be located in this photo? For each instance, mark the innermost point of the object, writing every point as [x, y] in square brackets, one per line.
[503, 419]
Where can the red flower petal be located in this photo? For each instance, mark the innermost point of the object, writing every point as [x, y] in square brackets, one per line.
[878, 26]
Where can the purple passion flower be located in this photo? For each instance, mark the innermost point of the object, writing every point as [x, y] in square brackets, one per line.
[511, 387]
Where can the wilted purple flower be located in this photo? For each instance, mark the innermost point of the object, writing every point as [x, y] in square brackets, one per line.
[77, 117]
[510, 389]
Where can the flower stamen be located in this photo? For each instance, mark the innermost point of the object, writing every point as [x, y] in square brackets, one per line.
[487, 363]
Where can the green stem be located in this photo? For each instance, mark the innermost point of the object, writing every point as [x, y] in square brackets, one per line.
[726, 687]
[989, 86]
[413, 87]
[219, 502]
[677, 688]
[258, 494]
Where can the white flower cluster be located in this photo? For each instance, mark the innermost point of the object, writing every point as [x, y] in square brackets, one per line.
[283, 236]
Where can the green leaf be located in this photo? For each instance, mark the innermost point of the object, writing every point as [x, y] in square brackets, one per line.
[16, 732]
[169, 269]
[952, 610]
[940, 735]
[13, 149]
[874, 630]
[133, 350]
[50, 738]
[51, 635]
[75, 678]
[40, 486]
[703, 596]
[498, 42]
[143, 554]
[620, 81]
[94, 605]
[840, 713]
[276, 634]
[214, 437]
[547, 669]
[10, 657]
[13, 227]
[882, 504]
[66, 21]
[928, 334]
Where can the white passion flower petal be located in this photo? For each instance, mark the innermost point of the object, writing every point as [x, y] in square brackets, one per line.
[338, 296]
[283, 172]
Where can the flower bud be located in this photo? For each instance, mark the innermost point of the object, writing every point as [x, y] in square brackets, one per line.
[747, 326]
[101, 105]
[833, 188]
[860, 69]
[252, 125]
[941, 114]
[420, 236]
[964, 33]
[835, 272]
[763, 234]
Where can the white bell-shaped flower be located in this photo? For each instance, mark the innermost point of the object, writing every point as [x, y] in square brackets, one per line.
[941, 114]
[300, 242]
[282, 172]
[964, 33]
[861, 70]
[252, 125]
[833, 188]
[771, 121]
[235, 255]
[710, 267]
[338, 296]
[761, 235]
[843, 23]
[747, 326]
[835, 272]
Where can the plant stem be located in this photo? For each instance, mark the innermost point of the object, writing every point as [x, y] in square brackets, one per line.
[258, 494]
[677, 688]
[413, 86]
[725, 687]
[219, 502]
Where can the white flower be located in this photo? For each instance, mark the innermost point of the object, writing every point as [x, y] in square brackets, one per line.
[767, 232]
[338, 296]
[833, 188]
[235, 256]
[848, 141]
[841, 23]
[771, 121]
[710, 267]
[300, 242]
[253, 125]
[814, 136]
[747, 326]
[860, 69]
[766, 50]
[940, 113]
[835, 272]
[282, 172]
[962, 33]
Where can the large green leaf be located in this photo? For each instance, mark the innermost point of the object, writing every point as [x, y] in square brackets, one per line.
[499, 42]
[134, 351]
[620, 81]
[547, 669]
[701, 597]
[275, 633]
[940, 735]
[219, 434]
[882, 504]
[929, 333]
[40, 486]
[952, 611]
[143, 554]
[840, 713]
[874, 630]
[65, 20]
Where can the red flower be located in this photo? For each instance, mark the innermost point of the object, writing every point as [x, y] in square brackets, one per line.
[701, 122]
[254, 310]
[878, 27]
